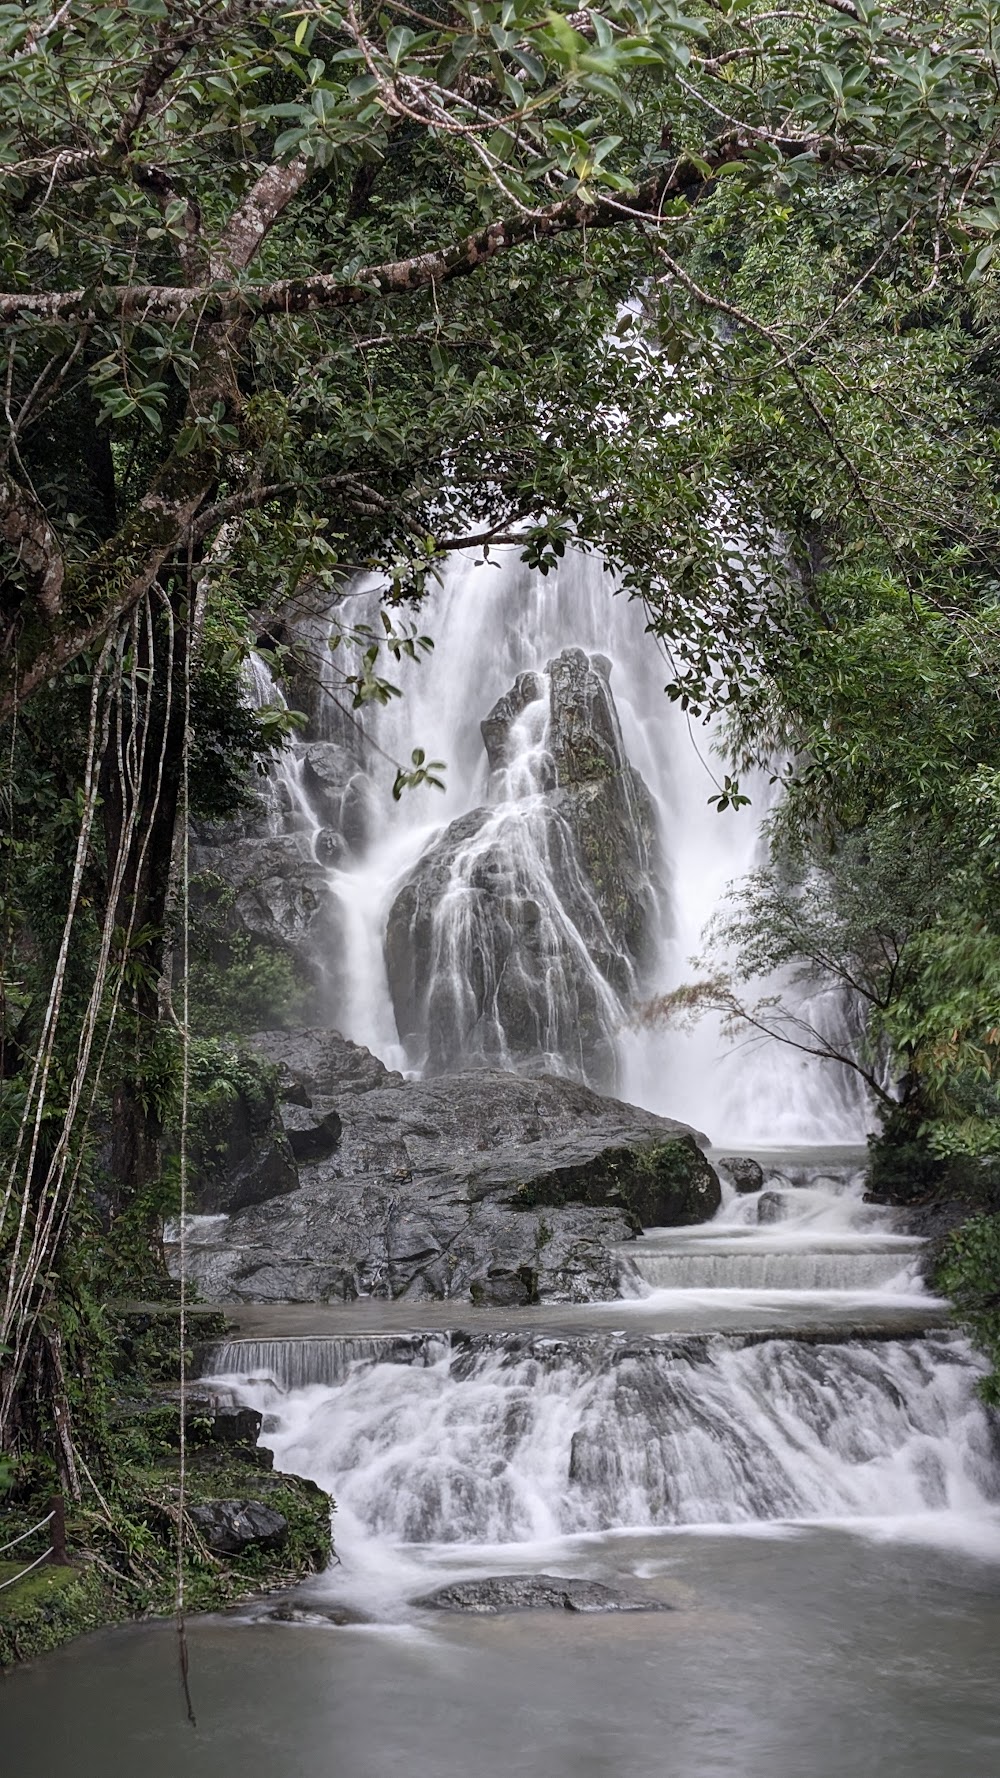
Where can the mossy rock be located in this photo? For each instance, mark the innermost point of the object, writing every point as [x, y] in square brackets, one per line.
[657, 1184]
[49, 1607]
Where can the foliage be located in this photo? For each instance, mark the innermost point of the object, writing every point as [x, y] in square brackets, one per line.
[290, 295]
[239, 983]
[970, 1275]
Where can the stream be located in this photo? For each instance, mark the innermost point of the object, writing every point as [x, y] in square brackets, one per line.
[775, 1435]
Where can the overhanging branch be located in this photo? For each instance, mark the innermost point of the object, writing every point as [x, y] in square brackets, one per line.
[224, 301]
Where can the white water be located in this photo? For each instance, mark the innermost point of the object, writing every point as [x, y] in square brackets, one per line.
[501, 1445]
[436, 1441]
[491, 623]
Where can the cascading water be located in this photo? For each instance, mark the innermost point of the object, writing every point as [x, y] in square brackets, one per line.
[545, 984]
[484, 926]
[501, 1438]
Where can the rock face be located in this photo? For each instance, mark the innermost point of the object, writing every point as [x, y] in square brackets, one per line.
[229, 1527]
[338, 791]
[742, 1173]
[253, 1164]
[275, 858]
[518, 937]
[535, 1592]
[493, 1187]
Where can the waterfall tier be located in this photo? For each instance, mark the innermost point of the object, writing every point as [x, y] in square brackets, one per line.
[714, 1261]
[529, 1437]
[524, 918]
[467, 1434]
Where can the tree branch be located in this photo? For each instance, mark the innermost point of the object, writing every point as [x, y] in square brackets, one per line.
[26, 529]
[290, 296]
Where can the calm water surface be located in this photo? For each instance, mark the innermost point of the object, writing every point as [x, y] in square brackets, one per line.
[813, 1653]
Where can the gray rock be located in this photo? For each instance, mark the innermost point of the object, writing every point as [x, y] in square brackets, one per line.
[311, 1133]
[229, 1527]
[521, 932]
[535, 1592]
[495, 728]
[746, 1175]
[282, 894]
[317, 1064]
[338, 790]
[772, 1207]
[301, 1614]
[487, 1186]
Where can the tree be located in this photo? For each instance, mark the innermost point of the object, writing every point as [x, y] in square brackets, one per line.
[212, 211]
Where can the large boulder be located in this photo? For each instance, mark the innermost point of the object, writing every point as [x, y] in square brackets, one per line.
[316, 1065]
[536, 1592]
[231, 1527]
[494, 1187]
[520, 935]
[743, 1174]
[604, 799]
[495, 946]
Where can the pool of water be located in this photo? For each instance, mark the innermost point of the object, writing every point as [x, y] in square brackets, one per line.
[795, 1652]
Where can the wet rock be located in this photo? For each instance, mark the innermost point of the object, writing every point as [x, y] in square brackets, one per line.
[498, 1188]
[230, 1424]
[520, 932]
[338, 790]
[330, 847]
[229, 1527]
[312, 1616]
[772, 1207]
[743, 1173]
[535, 1592]
[495, 728]
[282, 894]
[320, 1064]
[311, 1133]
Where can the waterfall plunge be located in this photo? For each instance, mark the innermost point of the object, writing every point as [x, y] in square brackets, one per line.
[491, 623]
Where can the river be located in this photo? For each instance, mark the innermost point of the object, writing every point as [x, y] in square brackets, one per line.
[811, 1486]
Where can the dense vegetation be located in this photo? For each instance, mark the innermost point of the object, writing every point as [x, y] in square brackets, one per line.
[293, 291]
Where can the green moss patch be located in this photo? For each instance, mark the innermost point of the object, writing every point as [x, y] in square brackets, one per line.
[656, 1184]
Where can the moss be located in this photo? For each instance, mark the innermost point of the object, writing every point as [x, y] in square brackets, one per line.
[49, 1607]
[124, 1559]
[969, 1272]
[654, 1183]
[123, 1545]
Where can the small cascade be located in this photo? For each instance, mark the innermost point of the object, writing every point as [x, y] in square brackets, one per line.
[818, 1235]
[681, 1262]
[322, 1363]
[529, 1437]
[511, 1436]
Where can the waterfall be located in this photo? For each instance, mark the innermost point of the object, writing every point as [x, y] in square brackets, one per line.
[819, 1385]
[532, 1437]
[464, 925]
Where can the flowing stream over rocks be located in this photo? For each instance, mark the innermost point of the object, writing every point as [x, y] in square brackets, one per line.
[718, 1499]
